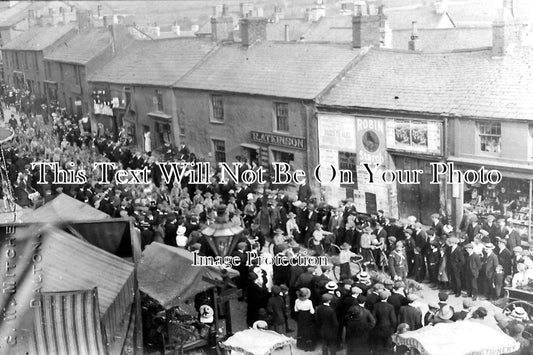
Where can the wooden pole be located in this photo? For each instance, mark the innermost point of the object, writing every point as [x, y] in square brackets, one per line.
[135, 237]
[529, 224]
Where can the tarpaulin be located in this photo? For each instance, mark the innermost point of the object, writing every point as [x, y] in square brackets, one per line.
[167, 275]
[65, 208]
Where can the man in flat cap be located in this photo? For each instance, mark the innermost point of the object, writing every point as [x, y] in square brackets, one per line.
[328, 325]
[491, 262]
[473, 267]
[457, 262]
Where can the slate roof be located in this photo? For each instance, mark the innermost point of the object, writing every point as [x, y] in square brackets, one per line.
[339, 29]
[158, 62]
[469, 83]
[425, 16]
[297, 28]
[444, 39]
[281, 69]
[39, 38]
[82, 47]
[13, 15]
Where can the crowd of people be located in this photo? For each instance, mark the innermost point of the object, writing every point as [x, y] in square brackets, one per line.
[356, 305]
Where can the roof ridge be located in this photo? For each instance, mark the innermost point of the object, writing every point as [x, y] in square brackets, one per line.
[453, 51]
[209, 54]
[351, 64]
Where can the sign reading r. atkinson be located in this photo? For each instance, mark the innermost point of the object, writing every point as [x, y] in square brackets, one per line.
[279, 139]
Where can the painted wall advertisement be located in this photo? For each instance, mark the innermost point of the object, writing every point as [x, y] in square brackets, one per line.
[413, 135]
[347, 142]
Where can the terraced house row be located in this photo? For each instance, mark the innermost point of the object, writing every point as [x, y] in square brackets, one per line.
[308, 103]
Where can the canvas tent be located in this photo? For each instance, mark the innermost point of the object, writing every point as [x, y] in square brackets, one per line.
[167, 275]
[51, 260]
[65, 208]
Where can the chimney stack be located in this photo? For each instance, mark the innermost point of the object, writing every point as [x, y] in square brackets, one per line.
[368, 27]
[507, 32]
[83, 18]
[222, 28]
[287, 34]
[414, 38]
[253, 29]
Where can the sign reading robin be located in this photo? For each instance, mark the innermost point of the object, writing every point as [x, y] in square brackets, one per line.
[279, 140]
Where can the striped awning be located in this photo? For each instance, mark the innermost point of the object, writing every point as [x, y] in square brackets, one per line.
[68, 323]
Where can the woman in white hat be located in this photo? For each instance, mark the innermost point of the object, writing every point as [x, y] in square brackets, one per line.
[293, 231]
[305, 317]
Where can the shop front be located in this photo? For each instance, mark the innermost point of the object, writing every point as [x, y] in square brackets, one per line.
[266, 148]
[414, 145]
[511, 198]
[346, 144]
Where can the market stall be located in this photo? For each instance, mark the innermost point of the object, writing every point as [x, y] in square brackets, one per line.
[258, 342]
[510, 199]
[167, 276]
[459, 338]
[50, 272]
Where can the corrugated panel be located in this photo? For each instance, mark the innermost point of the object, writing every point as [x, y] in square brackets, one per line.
[68, 323]
[58, 262]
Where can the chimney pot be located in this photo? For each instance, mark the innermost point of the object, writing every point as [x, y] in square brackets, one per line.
[414, 31]
[287, 34]
[225, 10]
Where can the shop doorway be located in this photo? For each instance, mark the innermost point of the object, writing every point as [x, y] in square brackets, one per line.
[419, 200]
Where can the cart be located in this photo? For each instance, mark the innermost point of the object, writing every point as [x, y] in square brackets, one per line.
[519, 297]
[459, 338]
[257, 342]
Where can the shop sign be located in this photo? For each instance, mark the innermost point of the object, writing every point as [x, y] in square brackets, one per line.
[77, 103]
[279, 140]
[414, 135]
[371, 140]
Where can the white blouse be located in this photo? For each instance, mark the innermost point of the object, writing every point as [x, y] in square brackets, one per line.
[306, 305]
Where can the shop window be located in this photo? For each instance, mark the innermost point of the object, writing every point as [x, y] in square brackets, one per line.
[47, 71]
[282, 116]
[283, 157]
[490, 137]
[127, 96]
[77, 75]
[218, 107]
[219, 146]
[530, 142]
[159, 101]
[348, 163]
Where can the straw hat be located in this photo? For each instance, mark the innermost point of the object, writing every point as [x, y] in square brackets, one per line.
[518, 313]
[445, 313]
[332, 286]
[260, 324]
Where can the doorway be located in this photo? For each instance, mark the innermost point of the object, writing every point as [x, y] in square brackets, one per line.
[419, 200]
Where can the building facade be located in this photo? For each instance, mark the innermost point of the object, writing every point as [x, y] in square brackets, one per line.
[23, 57]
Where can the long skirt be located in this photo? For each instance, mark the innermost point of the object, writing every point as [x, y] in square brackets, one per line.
[306, 331]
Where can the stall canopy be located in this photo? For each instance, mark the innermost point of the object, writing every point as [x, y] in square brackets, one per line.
[96, 227]
[42, 258]
[65, 208]
[167, 275]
